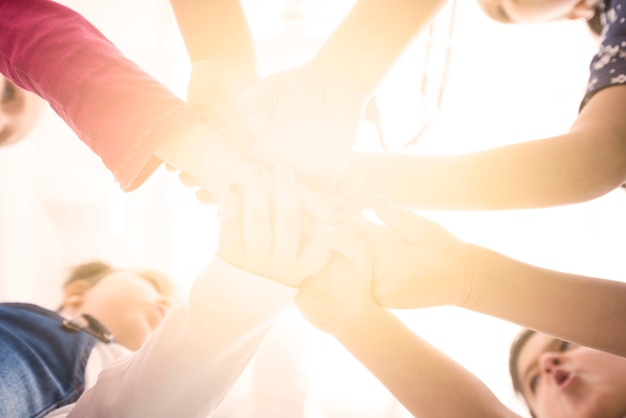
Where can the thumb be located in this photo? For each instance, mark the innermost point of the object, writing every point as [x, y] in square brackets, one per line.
[350, 244]
[411, 227]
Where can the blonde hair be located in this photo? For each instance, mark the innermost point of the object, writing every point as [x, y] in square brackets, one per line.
[94, 271]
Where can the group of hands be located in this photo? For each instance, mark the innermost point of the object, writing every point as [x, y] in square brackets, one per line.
[280, 220]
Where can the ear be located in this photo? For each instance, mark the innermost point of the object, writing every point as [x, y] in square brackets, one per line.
[74, 295]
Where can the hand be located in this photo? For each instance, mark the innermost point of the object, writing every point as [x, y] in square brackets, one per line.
[306, 119]
[337, 295]
[215, 86]
[262, 228]
[417, 263]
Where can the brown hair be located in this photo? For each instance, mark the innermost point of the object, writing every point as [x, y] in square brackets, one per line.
[94, 271]
[494, 9]
[516, 347]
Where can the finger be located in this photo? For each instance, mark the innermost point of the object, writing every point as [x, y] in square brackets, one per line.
[409, 226]
[257, 222]
[204, 197]
[286, 214]
[169, 167]
[188, 180]
[258, 104]
[230, 239]
[348, 242]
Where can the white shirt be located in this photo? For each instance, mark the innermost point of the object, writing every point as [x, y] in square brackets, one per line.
[197, 353]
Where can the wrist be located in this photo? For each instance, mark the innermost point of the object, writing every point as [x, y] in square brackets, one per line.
[198, 150]
[220, 78]
[361, 321]
[473, 280]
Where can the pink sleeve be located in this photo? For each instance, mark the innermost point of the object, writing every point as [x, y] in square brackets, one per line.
[117, 109]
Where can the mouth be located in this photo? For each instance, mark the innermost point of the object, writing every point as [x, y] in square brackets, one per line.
[563, 378]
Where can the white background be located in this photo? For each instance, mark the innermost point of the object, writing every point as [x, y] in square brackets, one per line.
[60, 206]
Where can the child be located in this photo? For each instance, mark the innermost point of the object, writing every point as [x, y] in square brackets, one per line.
[187, 365]
[125, 116]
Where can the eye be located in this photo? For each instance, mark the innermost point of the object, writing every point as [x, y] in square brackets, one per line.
[8, 92]
[565, 345]
[533, 382]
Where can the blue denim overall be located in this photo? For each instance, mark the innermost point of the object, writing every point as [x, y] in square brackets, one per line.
[42, 364]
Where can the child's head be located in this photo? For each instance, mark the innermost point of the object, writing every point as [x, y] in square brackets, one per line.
[558, 379]
[19, 111]
[130, 303]
[526, 11]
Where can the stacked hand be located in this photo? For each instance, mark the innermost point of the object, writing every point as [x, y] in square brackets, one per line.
[417, 262]
[410, 262]
[339, 294]
[267, 229]
[304, 118]
[215, 86]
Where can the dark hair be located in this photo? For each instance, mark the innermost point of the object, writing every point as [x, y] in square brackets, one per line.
[596, 23]
[495, 11]
[516, 347]
[95, 271]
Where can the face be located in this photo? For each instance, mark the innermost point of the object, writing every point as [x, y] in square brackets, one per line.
[562, 380]
[124, 302]
[19, 111]
[526, 11]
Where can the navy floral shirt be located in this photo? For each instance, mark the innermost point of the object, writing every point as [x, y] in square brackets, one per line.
[608, 66]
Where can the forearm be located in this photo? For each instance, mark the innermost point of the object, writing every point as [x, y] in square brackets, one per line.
[569, 169]
[424, 380]
[117, 109]
[409, 180]
[214, 28]
[372, 36]
[584, 310]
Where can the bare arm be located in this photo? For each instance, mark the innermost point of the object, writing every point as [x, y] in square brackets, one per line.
[214, 28]
[585, 310]
[583, 164]
[308, 116]
[372, 37]
[435, 268]
[221, 51]
[428, 383]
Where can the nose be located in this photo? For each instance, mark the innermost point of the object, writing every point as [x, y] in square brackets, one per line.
[549, 361]
[4, 119]
[164, 303]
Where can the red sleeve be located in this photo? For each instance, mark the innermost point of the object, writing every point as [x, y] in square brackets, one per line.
[117, 109]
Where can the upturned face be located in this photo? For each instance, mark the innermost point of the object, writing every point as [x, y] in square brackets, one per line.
[19, 111]
[527, 11]
[563, 380]
[128, 305]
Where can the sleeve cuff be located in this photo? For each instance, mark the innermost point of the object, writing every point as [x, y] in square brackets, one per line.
[255, 294]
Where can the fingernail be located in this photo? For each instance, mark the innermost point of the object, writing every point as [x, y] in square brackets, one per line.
[204, 197]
